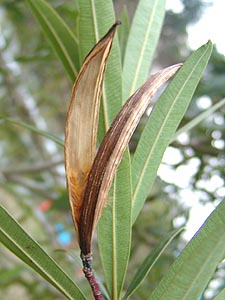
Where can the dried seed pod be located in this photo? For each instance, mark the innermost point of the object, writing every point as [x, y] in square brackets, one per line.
[90, 176]
[82, 122]
[111, 151]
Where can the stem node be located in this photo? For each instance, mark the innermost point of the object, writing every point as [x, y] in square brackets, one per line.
[89, 274]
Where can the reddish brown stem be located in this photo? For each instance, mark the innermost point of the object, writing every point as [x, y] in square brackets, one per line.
[89, 274]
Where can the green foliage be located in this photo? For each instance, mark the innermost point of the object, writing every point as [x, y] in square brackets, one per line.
[149, 263]
[95, 20]
[192, 270]
[59, 35]
[24, 247]
[221, 295]
[163, 123]
[34, 129]
[127, 68]
[114, 230]
[141, 44]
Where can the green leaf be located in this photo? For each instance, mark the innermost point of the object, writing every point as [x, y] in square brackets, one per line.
[192, 270]
[10, 275]
[149, 263]
[59, 35]
[34, 129]
[13, 236]
[96, 17]
[123, 31]
[199, 119]
[114, 230]
[221, 295]
[162, 124]
[141, 45]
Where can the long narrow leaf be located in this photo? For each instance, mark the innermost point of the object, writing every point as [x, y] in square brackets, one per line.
[141, 45]
[13, 236]
[123, 31]
[59, 35]
[149, 263]
[221, 295]
[114, 240]
[96, 17]
[163, 121]
[34, 129]
[199, 119]
[192, 270]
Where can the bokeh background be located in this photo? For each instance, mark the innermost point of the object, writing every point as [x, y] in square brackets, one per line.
[35, 89]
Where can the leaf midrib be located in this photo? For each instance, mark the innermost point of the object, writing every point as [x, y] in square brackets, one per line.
[159, 133]
[58, 40]
[139, 62]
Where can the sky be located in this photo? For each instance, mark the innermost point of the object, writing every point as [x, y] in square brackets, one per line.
[211, 26]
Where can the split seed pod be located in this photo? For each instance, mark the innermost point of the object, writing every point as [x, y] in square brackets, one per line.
[110, 153]
[82, 123]
[89, 175]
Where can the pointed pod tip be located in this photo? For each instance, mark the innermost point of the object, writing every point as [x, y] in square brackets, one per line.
[111, 31]
[172, 70]
[113, 28]
[166, 73]
[118, 22]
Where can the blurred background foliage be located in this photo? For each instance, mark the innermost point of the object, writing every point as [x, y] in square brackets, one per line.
[35, 89]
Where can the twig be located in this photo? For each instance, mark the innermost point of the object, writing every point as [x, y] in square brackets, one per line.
[89, 274]
[35, 168]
